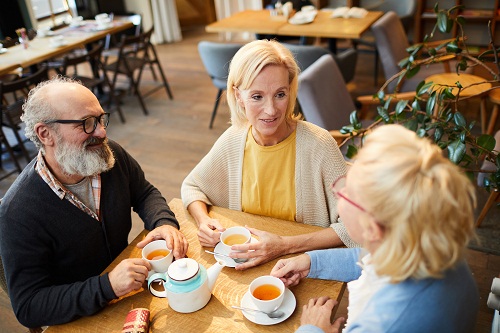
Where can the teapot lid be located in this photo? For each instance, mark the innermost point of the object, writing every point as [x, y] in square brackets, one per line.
[183, 269]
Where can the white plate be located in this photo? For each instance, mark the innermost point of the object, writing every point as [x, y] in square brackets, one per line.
[229, 262]
[55, 46]
[3, 50]
[77, 24]
[303, 17]
[288, 306]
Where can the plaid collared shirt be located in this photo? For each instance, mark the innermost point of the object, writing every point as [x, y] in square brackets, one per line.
[62, 192]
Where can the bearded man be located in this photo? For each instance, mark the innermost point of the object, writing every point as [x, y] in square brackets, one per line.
[68, 214]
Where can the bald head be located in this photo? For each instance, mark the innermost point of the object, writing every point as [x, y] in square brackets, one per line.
[58, 98]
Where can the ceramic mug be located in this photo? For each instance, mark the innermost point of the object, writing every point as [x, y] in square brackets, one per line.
[158, 255]
[267, 292]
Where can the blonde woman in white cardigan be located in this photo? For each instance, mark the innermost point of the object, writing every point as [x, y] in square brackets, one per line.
[268, 162]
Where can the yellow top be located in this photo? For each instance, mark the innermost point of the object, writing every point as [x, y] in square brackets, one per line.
[268, 179]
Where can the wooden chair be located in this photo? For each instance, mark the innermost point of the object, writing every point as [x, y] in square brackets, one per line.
[131, 60]
[11, 113]
[99, 78]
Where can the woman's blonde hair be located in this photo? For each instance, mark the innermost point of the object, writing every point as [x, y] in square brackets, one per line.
[423, 201]
[248, 62]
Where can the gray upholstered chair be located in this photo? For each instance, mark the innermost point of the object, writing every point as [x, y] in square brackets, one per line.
[216, 57]
[307, 54]
[392, 43]
[494, 194]
[404, 9]
[323, 95]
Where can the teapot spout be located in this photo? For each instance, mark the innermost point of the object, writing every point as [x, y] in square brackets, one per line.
[213, 273]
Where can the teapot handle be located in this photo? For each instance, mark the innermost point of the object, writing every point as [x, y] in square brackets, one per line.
[157, 277]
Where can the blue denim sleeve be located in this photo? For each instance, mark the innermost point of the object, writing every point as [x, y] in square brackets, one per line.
[335, 264]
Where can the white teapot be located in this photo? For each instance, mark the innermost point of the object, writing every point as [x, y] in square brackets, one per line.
[188, 285]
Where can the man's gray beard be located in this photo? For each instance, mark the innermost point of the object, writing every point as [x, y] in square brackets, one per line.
[75, 160]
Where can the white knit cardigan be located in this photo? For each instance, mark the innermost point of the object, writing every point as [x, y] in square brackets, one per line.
[216, 180]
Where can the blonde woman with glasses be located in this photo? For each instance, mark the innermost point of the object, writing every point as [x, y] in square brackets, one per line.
[412, 211]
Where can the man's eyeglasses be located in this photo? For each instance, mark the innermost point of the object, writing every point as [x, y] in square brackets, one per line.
[89, 124]
[337, 186]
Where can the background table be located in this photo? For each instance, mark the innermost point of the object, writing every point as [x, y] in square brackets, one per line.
[260, 21]
[40, 50]
[217, 315]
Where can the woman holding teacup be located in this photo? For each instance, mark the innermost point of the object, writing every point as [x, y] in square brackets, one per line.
[412, 210]
[268, 162]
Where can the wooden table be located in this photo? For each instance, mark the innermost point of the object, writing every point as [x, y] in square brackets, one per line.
[260, 21]
[474, 86]
[39, 49]
[217, 315]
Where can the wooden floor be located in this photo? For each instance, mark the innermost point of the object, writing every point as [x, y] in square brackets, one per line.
[175, 136]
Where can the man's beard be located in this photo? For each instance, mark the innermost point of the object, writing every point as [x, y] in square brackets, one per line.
[77, 160]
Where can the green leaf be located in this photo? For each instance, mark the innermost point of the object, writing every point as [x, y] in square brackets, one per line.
[452, 47]
[347, 129]
[401, 106]
[353, 118]
[460, 19]
[458, 84]
[421, 132]
[431, 103]
[381, 95]
[486, 141]
[412, 125]
[404, 62]
[459, 119]
[438, 134]
[383, 113]
[444, 24]
[351, 151]
[432, 51]
[412, 72]
[448, 93]
[463, 135]
[456, 151]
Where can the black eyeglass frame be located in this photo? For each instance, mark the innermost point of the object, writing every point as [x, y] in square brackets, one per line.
[97, 119]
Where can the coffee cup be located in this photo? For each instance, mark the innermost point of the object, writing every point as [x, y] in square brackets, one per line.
[158, 255]
[234, 236]
[100, 17]
[267, 292]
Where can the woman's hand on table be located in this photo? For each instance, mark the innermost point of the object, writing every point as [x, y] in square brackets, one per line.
[128, 275]
[209, 231]
[269, 247]
[291, 270]
[176, 241]
[318, 311]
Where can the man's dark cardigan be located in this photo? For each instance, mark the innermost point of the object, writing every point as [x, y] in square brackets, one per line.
[53, 252]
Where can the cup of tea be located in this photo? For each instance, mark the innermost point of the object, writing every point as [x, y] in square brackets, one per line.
[158, 255]
[267, 292]
[57, 41]
[234, 236]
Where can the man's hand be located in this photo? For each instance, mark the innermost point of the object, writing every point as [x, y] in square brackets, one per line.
[129, 275]
[176, 241]
[291, 270]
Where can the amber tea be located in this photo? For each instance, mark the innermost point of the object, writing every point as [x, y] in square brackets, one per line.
[235, 239]
[266, 292]
[158, 254]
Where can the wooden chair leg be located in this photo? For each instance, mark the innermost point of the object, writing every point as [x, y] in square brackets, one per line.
[493, 120]
[494, 196]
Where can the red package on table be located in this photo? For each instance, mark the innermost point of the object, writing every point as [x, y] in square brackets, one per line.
[137, 321]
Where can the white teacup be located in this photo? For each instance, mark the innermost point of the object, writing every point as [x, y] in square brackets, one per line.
[158, 255]
[267, 292]
[307, 8]
[100, 17]
[234, 236]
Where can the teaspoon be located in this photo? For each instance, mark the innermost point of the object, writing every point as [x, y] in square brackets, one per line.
[236, 260]
[276, 314]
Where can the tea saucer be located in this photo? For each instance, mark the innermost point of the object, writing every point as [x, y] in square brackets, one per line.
[229, 262]
[288, 306]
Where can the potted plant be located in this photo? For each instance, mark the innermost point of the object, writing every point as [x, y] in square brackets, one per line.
[434, 110]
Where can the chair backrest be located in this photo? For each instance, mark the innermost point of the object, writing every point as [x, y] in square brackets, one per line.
[391, 43]
[25, 83]
[92, 56]
[306, 55]
[323, 95]
[405, 9]
[216, 58]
